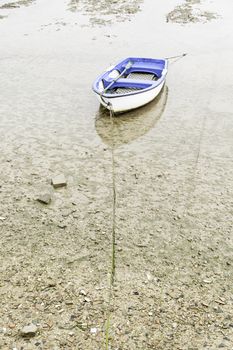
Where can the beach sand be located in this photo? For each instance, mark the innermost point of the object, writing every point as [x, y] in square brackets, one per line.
[169, 247]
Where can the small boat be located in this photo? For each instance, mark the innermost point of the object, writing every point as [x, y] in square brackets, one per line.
[131, 83]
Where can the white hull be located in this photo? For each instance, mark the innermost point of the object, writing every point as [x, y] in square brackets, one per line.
[125, 103]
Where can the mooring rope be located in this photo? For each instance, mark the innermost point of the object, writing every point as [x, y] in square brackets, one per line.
[113, 257]
[173, 57]
[113, 200]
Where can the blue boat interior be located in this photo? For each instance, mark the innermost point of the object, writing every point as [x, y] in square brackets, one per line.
[138, 74]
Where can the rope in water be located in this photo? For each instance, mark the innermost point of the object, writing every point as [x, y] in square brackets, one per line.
[173, 57]
[113, 258]
[114, 201]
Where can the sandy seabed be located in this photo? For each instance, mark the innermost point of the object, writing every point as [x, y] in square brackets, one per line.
[158, 275]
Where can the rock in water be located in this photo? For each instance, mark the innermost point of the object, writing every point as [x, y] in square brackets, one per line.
[29, 331]
[44, 198]
[59, 181]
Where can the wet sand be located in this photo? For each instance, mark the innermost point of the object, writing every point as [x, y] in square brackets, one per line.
[173, 172]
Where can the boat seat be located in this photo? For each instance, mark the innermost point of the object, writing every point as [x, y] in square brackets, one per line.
[147, 67]
[123, 90]
[132, 83]
[142, 76]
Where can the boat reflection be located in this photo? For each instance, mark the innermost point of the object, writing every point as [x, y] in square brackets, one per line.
[127, 127]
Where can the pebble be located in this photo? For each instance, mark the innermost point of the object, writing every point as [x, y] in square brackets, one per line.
[59, 181]
[82, 292]
[205, 304]
[135, 292]
[220, 301]
[68, 212]
[149, 276]
[11, 325]
[51, 284]
[62, 226]
[207, 281]
[29, 331]
[44, 198]
[87, 300]
[142, 244]
[93, 330]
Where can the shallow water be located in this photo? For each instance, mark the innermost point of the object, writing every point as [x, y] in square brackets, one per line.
[173, 174]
